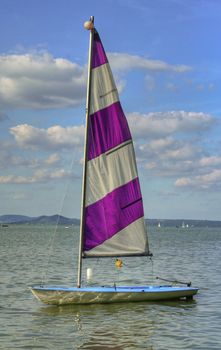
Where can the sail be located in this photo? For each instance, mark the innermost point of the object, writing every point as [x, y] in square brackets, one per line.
[114, 216]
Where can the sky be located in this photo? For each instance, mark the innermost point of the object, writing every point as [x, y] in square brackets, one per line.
[166, 59]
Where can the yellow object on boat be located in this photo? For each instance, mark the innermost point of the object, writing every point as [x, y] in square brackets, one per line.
[118, 263]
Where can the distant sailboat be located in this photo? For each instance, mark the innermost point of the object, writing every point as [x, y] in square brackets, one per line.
[159, 225]
[112, 215]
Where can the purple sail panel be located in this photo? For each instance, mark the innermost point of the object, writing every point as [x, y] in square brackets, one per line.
[111, 214]
[99, 56]
[108, 128]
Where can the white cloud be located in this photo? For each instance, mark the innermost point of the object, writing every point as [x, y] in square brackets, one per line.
[183, 182]
[210, 161]
[168, 144]
[40, 81]
[124, 61]
[52, 159]
[169, 156]
[210, 180]
[160, 144]
[183, 160]
[172, 145]
[167, 123]
[9, 158]
[53, 138]
[40, 176]
[184, 152]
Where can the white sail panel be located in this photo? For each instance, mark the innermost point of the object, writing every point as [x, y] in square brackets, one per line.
[104, 92]
[109, 171]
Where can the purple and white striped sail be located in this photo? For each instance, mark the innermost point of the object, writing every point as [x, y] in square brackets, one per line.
[114, 215]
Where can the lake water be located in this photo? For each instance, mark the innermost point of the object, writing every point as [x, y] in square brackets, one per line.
[31, 253]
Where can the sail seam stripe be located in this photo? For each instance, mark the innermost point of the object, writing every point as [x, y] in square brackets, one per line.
[107, 93]
[118, 147]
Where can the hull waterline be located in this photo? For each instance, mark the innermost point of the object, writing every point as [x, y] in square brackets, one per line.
[106, 295]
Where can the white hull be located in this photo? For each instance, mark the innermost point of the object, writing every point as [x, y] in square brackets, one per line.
[104, 295]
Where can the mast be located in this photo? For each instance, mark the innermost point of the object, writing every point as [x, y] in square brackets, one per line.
[89, 25]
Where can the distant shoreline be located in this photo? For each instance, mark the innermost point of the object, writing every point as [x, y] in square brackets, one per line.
[62, 220]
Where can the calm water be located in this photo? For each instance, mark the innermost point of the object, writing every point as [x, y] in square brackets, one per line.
[186, 254]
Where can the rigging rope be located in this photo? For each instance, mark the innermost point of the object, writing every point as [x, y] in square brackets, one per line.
[51, 241]
[174, 281]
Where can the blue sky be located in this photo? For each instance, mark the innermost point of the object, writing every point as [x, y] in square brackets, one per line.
[166, 59]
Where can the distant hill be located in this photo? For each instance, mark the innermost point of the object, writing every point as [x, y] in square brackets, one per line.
[62, 220]
[21, 219]
[11, 219]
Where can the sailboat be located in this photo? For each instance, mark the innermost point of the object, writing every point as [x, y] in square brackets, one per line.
[112, 214]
